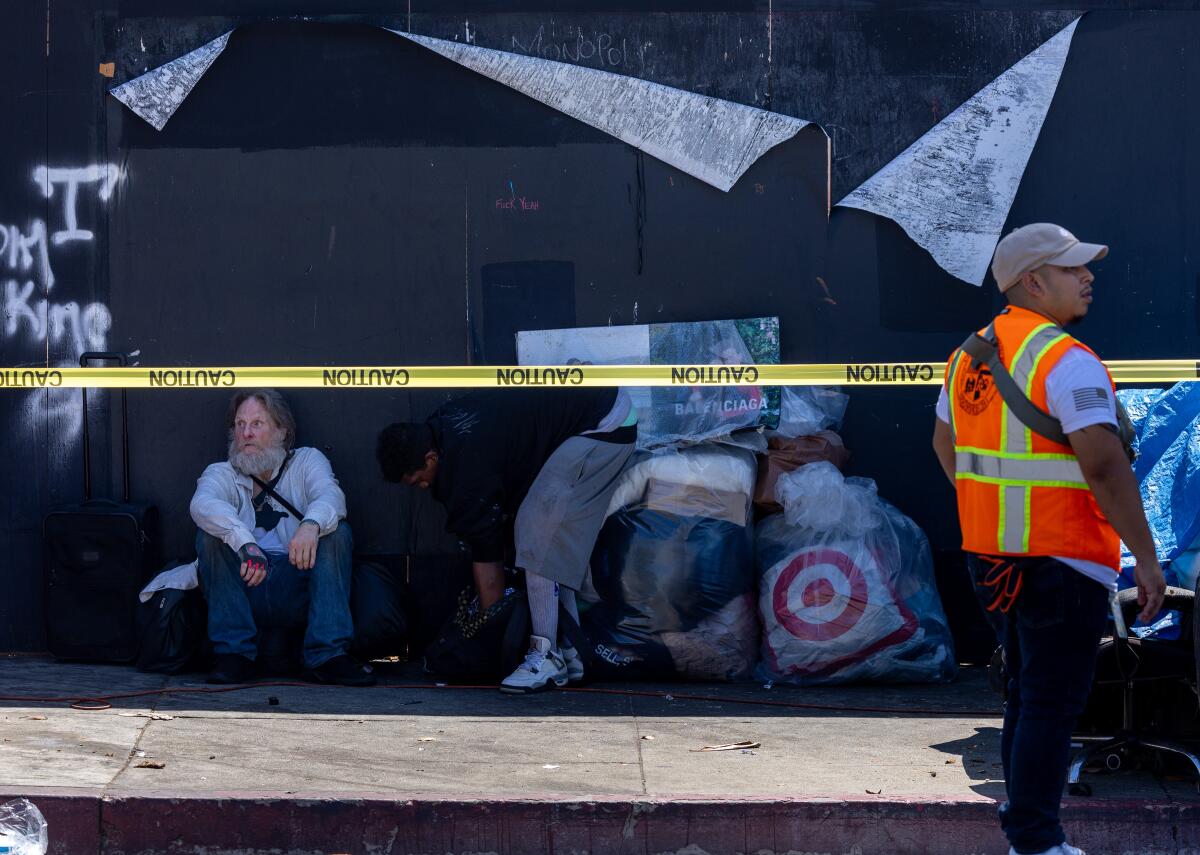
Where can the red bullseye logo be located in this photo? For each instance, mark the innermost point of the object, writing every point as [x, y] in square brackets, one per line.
[820, 595]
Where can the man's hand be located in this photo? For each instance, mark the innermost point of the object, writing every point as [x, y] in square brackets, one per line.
[254, 564]
[1151, 586]
[302, 550]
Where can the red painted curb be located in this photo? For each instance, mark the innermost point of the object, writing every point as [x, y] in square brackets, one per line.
[123, 823]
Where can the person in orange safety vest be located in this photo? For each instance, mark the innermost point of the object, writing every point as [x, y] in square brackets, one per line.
[1042, 520]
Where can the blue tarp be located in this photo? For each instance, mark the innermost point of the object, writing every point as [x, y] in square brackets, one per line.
[1168, 473]
[1168, 466]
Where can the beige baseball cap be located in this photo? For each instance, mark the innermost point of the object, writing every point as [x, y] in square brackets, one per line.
[1029, 247]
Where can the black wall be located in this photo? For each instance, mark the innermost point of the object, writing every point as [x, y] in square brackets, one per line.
[328, 195]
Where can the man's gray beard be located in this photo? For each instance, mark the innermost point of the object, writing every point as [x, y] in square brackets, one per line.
[255, 462]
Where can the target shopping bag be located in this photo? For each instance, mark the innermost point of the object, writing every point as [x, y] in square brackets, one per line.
[846, 588]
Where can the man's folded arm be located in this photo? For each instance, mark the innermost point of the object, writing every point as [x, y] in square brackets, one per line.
[213, 510]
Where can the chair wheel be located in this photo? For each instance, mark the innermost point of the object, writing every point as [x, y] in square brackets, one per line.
[1080, 789]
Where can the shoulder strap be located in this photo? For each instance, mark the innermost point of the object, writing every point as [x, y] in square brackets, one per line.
[983, 351]
[270, 490]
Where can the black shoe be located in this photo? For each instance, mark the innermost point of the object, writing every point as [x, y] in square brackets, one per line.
[231, 668]
[341, 670]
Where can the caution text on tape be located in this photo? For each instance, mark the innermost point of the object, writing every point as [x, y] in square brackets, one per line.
[492, 376]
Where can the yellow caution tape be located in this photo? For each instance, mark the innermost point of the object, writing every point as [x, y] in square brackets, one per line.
[507, 376]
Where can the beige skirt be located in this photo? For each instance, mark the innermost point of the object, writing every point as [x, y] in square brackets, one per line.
[557, 524]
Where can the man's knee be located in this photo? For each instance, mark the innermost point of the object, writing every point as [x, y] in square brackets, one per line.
[211, 550]
[341, 539]
[337, 547]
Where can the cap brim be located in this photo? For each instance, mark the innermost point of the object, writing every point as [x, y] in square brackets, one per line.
[1080, 253]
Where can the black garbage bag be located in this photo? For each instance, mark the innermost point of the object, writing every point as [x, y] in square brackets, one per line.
[173, 632]
[675, 598]
[674, 570]
[377, 601]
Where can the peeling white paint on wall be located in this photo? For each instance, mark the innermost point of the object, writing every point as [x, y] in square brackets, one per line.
[952, 189]
[709, 138]
[157, 94]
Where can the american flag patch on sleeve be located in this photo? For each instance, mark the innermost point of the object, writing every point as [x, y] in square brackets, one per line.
[1090, 399]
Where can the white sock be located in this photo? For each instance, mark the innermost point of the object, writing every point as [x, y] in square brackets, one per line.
[543, 606]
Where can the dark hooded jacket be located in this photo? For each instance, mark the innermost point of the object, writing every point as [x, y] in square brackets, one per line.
[492, 444]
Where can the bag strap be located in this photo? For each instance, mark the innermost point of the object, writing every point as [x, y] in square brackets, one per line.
[515, 640]
[270, 490]
[983, 351]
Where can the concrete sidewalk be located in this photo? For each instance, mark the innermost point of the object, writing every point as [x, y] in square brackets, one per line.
[299, 768]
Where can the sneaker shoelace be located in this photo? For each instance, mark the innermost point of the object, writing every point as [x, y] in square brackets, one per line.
[533, 661]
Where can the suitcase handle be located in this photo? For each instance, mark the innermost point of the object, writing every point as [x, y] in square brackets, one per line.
[119, 358]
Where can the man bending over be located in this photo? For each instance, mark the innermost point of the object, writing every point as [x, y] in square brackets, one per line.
[549, 458]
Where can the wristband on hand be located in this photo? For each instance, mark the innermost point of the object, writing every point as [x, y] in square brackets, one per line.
[311, 522]
[253, 556]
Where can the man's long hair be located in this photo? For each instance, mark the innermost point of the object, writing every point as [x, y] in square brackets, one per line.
[275, 405]
[401, 449]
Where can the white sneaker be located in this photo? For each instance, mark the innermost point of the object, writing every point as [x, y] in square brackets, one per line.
[542, 669]
[574, 664]
[1061, 849]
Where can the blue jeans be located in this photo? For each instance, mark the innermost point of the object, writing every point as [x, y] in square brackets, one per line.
[288, 596]
[1051, 635]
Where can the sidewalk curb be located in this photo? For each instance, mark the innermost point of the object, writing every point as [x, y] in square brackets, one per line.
[126, 822]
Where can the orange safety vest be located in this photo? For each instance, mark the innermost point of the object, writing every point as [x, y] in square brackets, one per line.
[1018, 492]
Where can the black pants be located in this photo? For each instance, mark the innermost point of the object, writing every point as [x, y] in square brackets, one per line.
[1050, 633]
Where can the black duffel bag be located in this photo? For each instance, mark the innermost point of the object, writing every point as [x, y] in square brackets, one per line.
[485, 646]
[377, 606]
[173, 632]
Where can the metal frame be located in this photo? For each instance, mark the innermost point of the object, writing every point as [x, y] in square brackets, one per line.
[1127, 736]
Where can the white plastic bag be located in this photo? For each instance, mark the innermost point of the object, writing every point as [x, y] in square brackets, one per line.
[846, 588]
[22, 828]
[805, 410]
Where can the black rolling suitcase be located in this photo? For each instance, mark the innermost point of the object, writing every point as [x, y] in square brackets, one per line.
[99, 554]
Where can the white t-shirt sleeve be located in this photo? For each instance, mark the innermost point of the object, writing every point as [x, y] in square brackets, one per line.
[1078, 392]
[943, 405]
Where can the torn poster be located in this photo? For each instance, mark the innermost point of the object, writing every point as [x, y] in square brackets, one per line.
[157, 94]
[952, 189]
[708, 138]
[670, 414]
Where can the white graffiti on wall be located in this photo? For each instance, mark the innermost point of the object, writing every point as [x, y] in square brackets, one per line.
[33, 316]
[27, 270]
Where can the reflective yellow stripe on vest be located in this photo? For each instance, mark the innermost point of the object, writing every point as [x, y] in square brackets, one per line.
[951, 385]
[1042, 471]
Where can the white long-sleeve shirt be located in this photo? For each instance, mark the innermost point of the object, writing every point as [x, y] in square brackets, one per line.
[222, 504]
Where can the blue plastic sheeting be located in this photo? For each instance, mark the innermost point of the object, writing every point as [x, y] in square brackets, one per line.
[1167, 468]
[1168, 626]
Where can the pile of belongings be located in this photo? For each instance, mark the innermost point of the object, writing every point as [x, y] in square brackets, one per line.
[833, 585]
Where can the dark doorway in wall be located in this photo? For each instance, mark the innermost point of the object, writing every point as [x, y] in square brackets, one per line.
[523, 295]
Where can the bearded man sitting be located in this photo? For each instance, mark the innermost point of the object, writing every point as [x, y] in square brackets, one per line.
[273, 547]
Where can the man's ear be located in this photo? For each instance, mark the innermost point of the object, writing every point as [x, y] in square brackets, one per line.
[1033, 283]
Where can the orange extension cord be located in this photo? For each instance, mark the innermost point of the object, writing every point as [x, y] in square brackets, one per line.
[101, 702]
